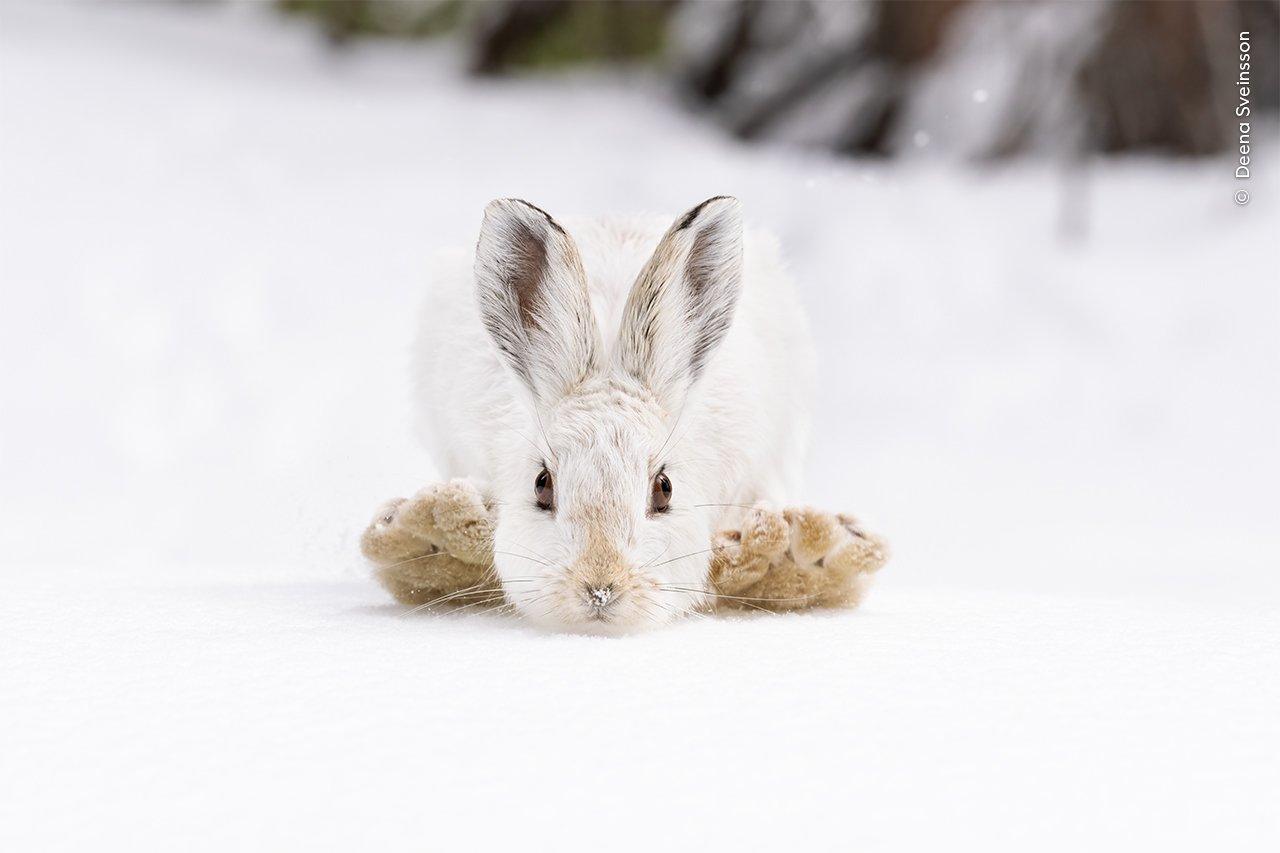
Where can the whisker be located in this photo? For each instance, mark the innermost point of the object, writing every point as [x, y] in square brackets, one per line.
[474, 589]
[809, 597]
[744, 603]
[494, 602]
[696, 553]
[505, 609]
[416, 559]
[537, 598]
[679, 611]
[487, 578]
[471, 590]
[523, 557]
[533, 552]
[650, 562]
[679, 417]
[655, 618]
[542, 429]
[542, 451]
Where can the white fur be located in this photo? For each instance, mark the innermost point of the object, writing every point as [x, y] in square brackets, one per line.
[606, 404]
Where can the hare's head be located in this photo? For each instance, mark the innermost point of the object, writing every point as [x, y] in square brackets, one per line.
[601, 524]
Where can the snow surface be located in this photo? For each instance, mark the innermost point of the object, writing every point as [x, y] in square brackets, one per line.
[1053, 388]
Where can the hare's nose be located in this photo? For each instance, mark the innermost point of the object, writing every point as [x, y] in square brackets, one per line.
[600, 595]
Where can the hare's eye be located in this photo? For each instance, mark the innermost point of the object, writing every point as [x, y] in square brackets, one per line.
[660, 498]
[543, 490]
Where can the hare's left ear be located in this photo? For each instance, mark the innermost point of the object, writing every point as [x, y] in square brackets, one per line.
[532, 294]
[682, 303]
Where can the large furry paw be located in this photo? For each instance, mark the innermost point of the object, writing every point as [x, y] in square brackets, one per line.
[436, 546]
[794, 559]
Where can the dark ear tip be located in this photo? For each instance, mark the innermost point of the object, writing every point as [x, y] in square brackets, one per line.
[502, 206]
[718, 205]
[518, 208]
[723, 204]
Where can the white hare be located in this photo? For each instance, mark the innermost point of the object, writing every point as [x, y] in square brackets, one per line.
[616, 392]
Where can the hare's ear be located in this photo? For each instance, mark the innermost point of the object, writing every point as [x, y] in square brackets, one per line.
[682, 303]
[532, 293]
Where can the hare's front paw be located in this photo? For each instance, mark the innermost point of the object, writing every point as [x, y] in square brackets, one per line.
[741, 558]
[454, 516]
[795, 559]
[388, 539]
[836, 553]
[434, 546]
[463, 521]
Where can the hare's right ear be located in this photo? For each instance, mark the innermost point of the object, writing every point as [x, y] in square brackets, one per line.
[682, 304]
[532, 293]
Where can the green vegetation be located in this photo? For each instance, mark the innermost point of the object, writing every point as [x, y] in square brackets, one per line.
[502, 37]
[346, 19]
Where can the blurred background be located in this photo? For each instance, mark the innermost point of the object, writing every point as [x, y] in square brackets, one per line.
[1048, 332]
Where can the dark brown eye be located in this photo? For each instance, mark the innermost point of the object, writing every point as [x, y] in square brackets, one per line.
[660, 499]
[543, 490]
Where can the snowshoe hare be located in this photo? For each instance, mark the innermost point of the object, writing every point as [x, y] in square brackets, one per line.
[611, 396]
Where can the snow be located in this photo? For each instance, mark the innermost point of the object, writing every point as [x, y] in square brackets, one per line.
[1052, 386]
[282, 715]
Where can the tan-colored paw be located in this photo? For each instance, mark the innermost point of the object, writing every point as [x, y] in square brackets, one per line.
[412, 545]
[453, 516]
[464, 521]
[731, 570]
[417, 515]
[863, 551]
[826, 561]
[871, 551]
[385, 540]
[765, 532]
[813, 534]
[740, 558]
[839, 553]
[438, 578]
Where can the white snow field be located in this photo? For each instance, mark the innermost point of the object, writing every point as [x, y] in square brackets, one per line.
[1054, 390]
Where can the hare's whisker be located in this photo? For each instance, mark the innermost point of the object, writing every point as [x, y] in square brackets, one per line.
[678, 611]
[416, 559]
[504, 609]
[523, 557]
[533, 552]
[809, 597]
[651, 562]
[475, 589]
[542, 429]
[490, 602]
[542, 451]
[696, 553]
[447, 598]
[672, 432]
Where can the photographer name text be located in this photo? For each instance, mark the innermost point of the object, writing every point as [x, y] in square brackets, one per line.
[1243, 111]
